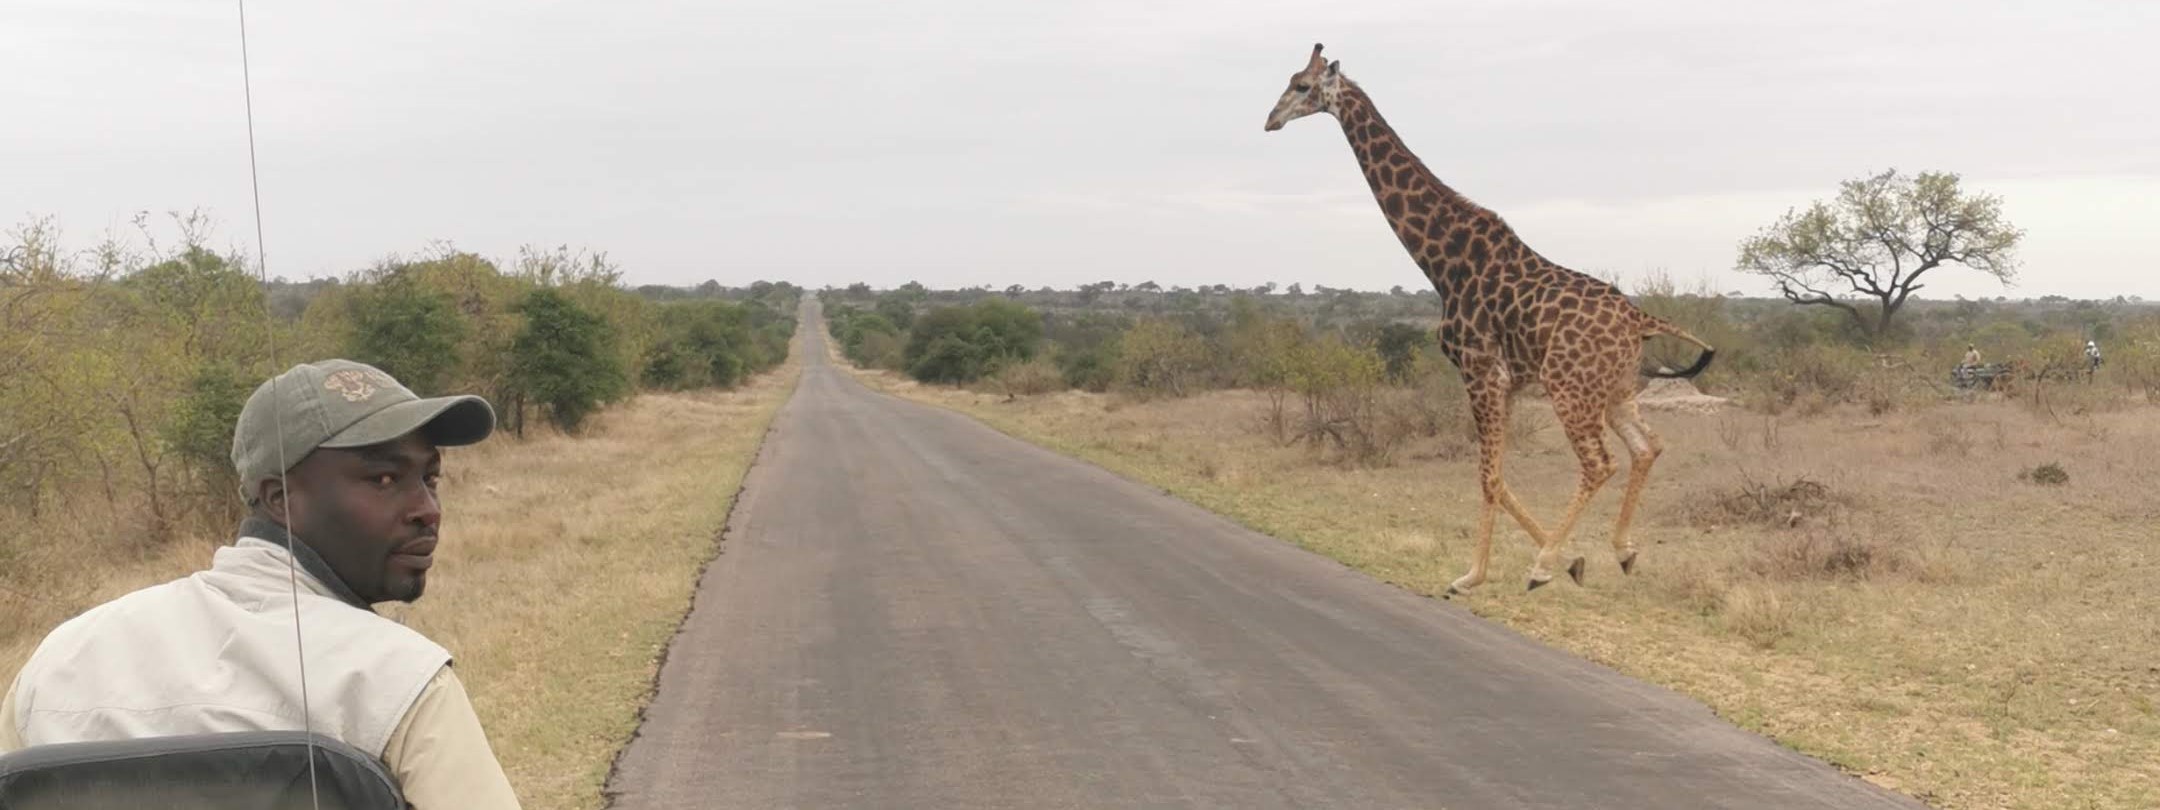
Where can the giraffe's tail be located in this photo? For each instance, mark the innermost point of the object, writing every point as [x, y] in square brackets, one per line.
[1654, 326]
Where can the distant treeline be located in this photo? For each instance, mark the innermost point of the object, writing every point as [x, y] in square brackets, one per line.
[1340, 351]
[125, 363]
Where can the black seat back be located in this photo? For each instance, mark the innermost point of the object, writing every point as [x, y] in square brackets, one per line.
[256, 770]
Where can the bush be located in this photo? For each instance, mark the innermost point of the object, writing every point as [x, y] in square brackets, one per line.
[1437, 406]
[410, 332]
[1092, 369]
[564, 359]
[961, 344]
[1825, 553]
[1827, 374]
[1160, 358]
[866, 327]
[1703, 312]
[1034, 377]
[666, 369]
[201, 430]
[2049, 474]
[1779, 505]
[947, 359]
[1400, 345]
[879, 350]
[1341, 386]
[1086, 347]
[711, 343]
[1757, 614]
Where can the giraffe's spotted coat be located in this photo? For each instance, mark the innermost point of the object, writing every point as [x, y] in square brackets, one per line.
[1510, 317]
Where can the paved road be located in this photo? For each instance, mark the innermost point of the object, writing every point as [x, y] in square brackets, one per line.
[914, 611]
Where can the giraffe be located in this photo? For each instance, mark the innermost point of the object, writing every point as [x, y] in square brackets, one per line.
[1510, 318]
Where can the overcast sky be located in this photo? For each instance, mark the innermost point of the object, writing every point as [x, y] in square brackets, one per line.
[962, 142]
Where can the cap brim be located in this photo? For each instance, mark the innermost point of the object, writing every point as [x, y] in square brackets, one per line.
[448, 422]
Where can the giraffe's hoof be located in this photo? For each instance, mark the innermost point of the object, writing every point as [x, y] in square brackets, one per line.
[1451, 592]
[1627, 563]
[1538, 583]
[1574, 570]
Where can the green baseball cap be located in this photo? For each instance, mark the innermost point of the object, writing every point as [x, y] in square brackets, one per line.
[340, 403]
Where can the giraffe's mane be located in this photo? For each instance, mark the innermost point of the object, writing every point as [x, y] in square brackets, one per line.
[1356, 94]
[1354, 90]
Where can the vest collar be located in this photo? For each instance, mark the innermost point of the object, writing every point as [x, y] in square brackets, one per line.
[268, 531]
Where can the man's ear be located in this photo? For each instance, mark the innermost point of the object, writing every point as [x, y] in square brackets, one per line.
[271, 498]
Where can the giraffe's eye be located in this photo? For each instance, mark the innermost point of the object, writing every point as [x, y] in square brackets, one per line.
[1302, 88]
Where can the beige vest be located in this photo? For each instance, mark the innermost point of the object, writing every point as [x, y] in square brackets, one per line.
[214, 652]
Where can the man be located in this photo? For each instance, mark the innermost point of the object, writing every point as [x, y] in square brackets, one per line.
[1972, 356]
[340, 461]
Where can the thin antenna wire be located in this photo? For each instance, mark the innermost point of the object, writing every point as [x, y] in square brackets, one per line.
[277, 415]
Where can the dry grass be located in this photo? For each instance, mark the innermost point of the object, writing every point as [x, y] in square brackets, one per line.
[565, 567]
[1926, 621]
[59, 564]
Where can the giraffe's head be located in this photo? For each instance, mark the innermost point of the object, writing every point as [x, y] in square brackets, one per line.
[1314, 89]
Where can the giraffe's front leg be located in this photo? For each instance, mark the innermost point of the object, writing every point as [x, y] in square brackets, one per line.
[1488, 386]
[1480, 559]
[1548, 547]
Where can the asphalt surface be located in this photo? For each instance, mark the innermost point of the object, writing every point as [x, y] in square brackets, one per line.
[911, 610]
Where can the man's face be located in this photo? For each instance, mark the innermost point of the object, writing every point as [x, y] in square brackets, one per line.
[371, 513]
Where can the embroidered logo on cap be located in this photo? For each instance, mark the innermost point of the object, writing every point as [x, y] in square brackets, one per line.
[356, 385]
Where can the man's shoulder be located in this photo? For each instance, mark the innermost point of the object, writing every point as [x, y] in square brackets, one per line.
[152, 600]
[328, 621]
[198, 654]
[204, 606]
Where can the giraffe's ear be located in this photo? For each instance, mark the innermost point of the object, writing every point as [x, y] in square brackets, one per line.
[1334, 67]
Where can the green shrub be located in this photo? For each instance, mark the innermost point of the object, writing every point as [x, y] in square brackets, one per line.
[410, 332]
[1160, 358]
[564, 359]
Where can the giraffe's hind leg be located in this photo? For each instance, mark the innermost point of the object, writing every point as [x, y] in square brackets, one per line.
[1582, 416]
[1643, 449]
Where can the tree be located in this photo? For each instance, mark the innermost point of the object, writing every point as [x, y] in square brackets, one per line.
[200, 294]
[705, 343]
[1399, 344]
[960, 344]
[564, 360]
[897, 310]
[1160, 357]
[484, 300]
[410, 332]
[1877, 239]
[200, 429]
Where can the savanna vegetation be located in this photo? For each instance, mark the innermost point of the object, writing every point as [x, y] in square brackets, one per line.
[572, 538]
[1355, 372]
[1940, 588]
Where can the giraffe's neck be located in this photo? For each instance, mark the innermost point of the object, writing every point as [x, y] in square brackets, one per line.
[1424, 212]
